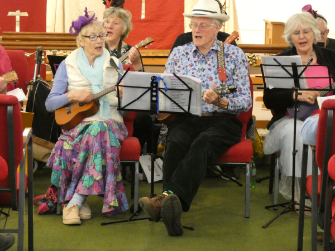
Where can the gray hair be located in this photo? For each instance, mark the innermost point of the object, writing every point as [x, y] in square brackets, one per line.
[125, 15]
[92, 26]
[320, 19]
[305, 20]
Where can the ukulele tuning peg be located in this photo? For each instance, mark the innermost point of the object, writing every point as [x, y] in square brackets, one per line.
[150, 44]
[145, 47]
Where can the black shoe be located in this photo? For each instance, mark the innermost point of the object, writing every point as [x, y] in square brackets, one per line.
[171, 213]
[6, 241]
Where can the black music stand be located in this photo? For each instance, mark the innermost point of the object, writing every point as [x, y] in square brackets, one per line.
[153, 90]
[296, 76]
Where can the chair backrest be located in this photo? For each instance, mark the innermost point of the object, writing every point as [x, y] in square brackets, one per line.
[11, 148]
[5, 101]
[325, 138]
[128, 121]
[20, 65]
[244, 117]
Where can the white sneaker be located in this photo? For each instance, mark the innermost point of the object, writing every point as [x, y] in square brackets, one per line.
[71, 215]
[85, 211]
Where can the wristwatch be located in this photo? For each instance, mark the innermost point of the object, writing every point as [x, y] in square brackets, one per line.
[222, 107]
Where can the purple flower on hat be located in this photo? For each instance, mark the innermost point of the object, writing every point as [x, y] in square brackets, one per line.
[82, 21]
[308, 8]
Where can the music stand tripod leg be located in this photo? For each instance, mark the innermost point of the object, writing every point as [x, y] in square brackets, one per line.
[290, 205]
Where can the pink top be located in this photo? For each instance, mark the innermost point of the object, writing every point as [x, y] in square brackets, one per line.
[5, 66]
[317, 83]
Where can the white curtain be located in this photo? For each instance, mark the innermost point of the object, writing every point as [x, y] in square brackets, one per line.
[232, 24]
[61, 13]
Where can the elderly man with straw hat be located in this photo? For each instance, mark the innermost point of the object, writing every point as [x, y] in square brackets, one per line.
[194, 142]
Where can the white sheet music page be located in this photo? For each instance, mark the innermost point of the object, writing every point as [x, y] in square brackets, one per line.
[18, 92]
[143, 79]
[277, 77]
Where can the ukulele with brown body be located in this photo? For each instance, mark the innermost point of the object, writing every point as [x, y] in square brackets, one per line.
[71, 115]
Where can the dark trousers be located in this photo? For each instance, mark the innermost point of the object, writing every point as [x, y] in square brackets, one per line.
[192, 144]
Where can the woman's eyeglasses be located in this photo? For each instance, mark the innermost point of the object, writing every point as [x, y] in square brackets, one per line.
[102, 36]
[304, 32]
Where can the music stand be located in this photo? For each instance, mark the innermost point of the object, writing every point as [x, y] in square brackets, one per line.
[54, 62]
[153, 106]
[297, 78]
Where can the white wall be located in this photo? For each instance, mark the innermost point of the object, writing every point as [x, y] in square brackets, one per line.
[251, 14]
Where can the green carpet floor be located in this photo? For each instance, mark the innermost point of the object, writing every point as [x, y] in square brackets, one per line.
[217, 216]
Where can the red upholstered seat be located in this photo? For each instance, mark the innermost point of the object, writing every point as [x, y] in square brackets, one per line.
[3, 169]
[13, 186]
[131, 148]
[321, 186]
[20, 66]
[241, 153]
[235, 154]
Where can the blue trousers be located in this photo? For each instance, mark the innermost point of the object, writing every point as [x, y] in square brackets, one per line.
[192, 144]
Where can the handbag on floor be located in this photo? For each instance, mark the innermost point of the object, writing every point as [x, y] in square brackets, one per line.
[48, 202]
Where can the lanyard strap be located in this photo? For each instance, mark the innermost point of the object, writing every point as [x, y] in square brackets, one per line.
[221, 63]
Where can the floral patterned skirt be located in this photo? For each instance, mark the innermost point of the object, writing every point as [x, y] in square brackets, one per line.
[86, 160]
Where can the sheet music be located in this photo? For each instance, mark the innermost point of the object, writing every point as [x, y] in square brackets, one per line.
[18, 92]
[181, 97]
[274, 70]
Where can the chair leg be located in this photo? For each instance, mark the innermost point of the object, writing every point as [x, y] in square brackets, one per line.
[302, 197]
[247, 191]
[58, 203]
[30, 198]
[276, 183]
[136, 183]
[314, 202]
[328, 214]
[21, 204]
[272, 172]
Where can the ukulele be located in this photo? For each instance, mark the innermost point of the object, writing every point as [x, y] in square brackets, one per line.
[71, 115]
[10, 76]
[305, 109]
[143, 43]
[169, 118]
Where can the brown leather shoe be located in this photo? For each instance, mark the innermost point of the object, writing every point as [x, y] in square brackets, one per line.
[152, 206]
[171, 214]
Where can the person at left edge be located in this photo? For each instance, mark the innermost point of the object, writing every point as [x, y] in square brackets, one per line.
[85, 160]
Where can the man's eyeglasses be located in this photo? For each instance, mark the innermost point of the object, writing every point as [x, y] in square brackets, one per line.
[102, 36]
[323, 33]
[304, 32]
[201, 27]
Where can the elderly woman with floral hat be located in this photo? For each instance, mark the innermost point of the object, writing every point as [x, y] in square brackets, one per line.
[85, 160]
